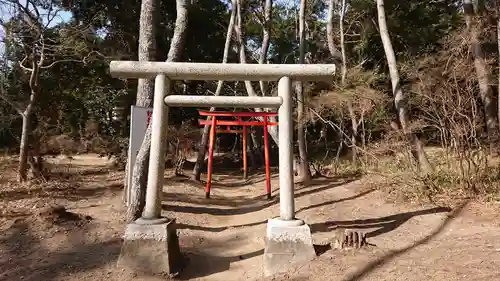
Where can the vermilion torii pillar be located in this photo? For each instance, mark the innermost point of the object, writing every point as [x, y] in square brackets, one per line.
[287, 233]
[244, 123]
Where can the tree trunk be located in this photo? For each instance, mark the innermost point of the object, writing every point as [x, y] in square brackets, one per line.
[179, 38]
[482, 71]
[304, 172]
[27, 130]
[36, 166]
[343, 71]
[399, 98]
[342, 45]
[256, 149]
[354, 132]
[235, 149]
[238, 27]
[334, 52]
[139, 179]
[140, 173]
[498, 44]
[35, 160]
[22, 174]
[250, 148]
[145, 96]
[204, 138]
[29, 155]
[336, 55]
[266, 38]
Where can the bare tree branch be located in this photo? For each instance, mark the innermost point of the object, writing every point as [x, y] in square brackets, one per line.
[21, 64]
[42, 51]
[61, 61]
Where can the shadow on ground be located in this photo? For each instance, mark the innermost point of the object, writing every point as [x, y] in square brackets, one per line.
[228, 163]
[223, 228]
[383, 224]
[25, 257]
[330, 202]
[240, 205]
[214, 257]
[358, 275]
[203, 264]
[257, 178]
[64, 190]
[217, 229]
[254, 177]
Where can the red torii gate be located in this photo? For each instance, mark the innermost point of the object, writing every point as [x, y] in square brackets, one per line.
[213, 123]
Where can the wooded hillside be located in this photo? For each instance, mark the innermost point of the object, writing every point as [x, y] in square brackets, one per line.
[412, 75]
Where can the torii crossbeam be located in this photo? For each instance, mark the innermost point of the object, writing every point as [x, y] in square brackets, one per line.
[288, 239]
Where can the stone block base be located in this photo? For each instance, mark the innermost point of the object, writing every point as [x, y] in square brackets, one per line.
[151, 248]
[288, 243]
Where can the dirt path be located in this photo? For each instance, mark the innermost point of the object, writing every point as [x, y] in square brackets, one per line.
[413, 242]
[223, 237]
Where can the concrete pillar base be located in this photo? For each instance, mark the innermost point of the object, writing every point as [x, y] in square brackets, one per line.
[288, 243]
[151, 248]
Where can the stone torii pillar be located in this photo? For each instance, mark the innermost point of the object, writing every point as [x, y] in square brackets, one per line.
[151, 241]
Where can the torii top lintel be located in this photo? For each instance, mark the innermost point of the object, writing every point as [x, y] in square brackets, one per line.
[222, 71]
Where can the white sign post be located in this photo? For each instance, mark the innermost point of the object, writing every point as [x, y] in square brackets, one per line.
[139, 121]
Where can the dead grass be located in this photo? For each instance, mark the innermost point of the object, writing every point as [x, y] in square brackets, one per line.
[475, 175]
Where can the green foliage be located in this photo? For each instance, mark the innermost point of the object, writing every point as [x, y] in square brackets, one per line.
[416, 27]
[79, 98]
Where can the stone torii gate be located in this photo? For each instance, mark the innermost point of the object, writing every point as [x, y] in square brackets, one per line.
[151, 242]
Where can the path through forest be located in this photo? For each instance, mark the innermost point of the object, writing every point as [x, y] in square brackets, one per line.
[223, 237]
